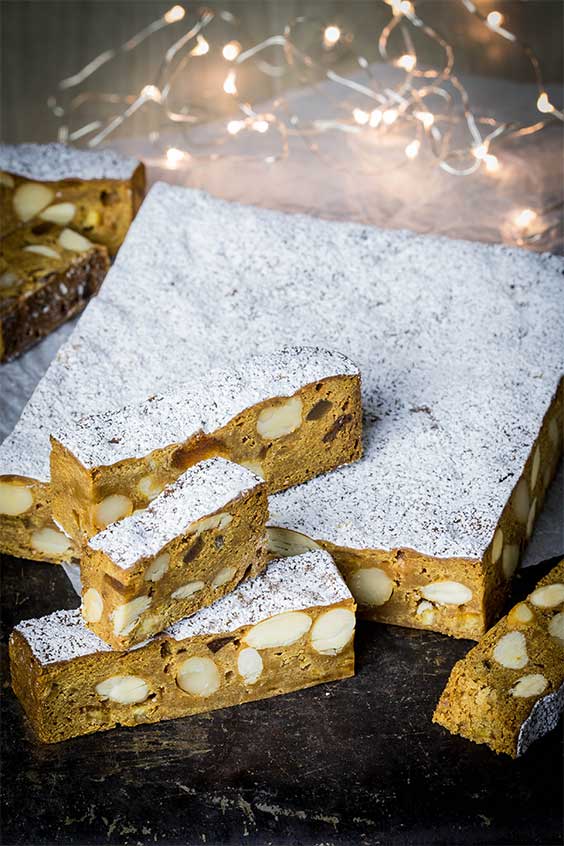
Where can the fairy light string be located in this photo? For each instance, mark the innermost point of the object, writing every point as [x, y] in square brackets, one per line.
[411, 103]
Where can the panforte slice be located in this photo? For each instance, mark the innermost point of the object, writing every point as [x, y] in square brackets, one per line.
[94, 193]
[48, 273]
[509, 690]
[287, 416]
[289, 628]
[193, 544]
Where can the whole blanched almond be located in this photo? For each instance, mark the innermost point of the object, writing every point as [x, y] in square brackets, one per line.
[280, 630]
[332, 631]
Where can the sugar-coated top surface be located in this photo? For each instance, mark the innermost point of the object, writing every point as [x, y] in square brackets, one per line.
[287, 584]
[459, 345]
[201, 490]
[204, 405]
[60, 636]
[53, 162]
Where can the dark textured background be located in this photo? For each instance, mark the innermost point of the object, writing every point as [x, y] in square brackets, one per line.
[44, 41]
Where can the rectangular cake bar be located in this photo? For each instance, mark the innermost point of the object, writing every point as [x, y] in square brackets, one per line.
[47, 275]
[95, 193]
[289, 628]
[195, 542]
[61, 211]
[509, 690]
[287, 416]
[459, 347]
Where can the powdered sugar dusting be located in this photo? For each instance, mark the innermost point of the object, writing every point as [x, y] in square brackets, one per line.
[544, 717]
[60, 636]
[287, 584]
[203, 405]
[458, 344]
[200, 491]
[54, 162]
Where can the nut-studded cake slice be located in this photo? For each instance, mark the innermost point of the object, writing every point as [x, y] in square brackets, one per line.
[509, 690]
[56, 204]
[287, 416]
[193, 544]
[289, 628]
[94, 193]
[47, 275]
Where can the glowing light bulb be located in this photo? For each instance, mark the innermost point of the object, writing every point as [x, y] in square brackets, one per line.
[151, 92]
[407, 62]
[361, 116]
[202, 47]
[174, 155]
[494, 19]
[390, 116]
[235, 126]
[175, 14]
[412, 149]
[525, 218]
[375, 118]
[231, 51]
[426, 118]
[491, 162]
[543, 103]
[481, 151]
[331, 35]
[229, 85]
[260, 125]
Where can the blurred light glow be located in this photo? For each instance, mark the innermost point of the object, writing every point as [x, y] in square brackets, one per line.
[494, 19]
[525, 217]
[202, 47]
[480, 151]
[151, 92]
[176, 13]
[331, 35]
[231, 51]
[361, 116]
[235, 126]
[260, 125]
[390, 116]
[407, 62]
[229, 85]
[491, 162]
[543, 103]
[401, 7]
[174, 155]
[375, 118]
[412, 149]
[426, 118]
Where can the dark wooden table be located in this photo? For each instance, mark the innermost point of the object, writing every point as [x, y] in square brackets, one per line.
[351, 762]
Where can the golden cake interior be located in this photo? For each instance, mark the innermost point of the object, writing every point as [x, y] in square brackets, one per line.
[126, 606]
[167, 679]
[491, 692]
[100, 209]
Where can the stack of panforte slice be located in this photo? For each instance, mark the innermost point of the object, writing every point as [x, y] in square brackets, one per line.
[175, 575]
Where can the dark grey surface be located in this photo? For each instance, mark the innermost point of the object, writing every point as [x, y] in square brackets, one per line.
[356, 761]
